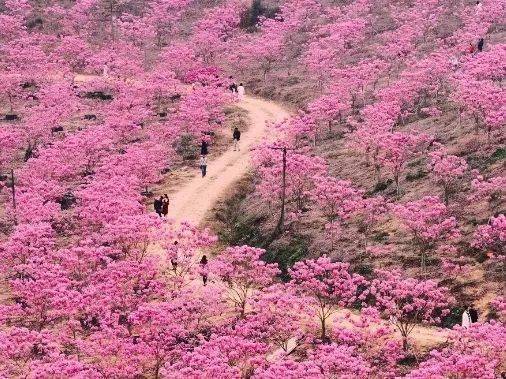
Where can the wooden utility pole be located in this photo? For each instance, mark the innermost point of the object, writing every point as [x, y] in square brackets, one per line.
[281, 221]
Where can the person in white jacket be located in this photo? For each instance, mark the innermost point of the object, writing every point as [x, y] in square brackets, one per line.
[466, 318]
[240, 91]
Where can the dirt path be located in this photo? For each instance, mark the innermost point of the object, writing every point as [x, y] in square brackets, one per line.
[195, 198]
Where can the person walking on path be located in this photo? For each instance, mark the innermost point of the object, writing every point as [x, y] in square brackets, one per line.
[204, 148]
[165, 205]
[203, 269]
[157, 204]
[236, 137]
[203, 165]
[241, 91]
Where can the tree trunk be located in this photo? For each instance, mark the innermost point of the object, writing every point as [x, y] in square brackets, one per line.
[281, 222]
[323, 334]
[446, 195]
[13, 189]
[397, 188]
[424, 263]
[405, 344]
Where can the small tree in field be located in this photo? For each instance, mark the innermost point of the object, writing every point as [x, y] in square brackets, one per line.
[429, 223]
[329, 285]
[492, 238]
[337, 199]
[447, 171]
[409, 302]
[276, 318]
[491, 190]
[242, 270]
[372, 209]
[396, 149]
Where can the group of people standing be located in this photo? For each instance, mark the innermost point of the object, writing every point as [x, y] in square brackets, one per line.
[238, 89]
[478, 48]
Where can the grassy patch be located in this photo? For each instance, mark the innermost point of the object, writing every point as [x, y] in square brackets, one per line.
[453, 318]
[242, 230]
[381, 186]
[187, 147]
[412, 176]
[380, 236]
[498, 155]
[251, 17]
[286, 256]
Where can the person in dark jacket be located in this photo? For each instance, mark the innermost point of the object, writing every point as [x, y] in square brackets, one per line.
[480, 44]
[203, 269]
[203, 148]
[157, 204]
[165, 205]
[474, 315]
[232, 87]
[236, 137]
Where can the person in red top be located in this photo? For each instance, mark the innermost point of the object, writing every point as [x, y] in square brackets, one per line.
[471, 48]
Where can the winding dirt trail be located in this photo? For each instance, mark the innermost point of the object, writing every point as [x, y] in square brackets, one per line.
[194, 199]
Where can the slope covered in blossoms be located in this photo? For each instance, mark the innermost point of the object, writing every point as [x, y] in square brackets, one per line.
[394, 173]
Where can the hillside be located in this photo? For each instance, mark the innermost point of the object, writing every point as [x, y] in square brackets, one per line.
[354, 234]
[419, 89]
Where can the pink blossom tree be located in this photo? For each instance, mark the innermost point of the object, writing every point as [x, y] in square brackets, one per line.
[243, 271]
[429, 223]
[226, 356]
[396, 149]
[277, 318]
[408, 302]
[328, 285]
[473, 352]
[490, 190]
[301, 171]
[338, 200]
[492, 237]
[371, 210]
[447, 171]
